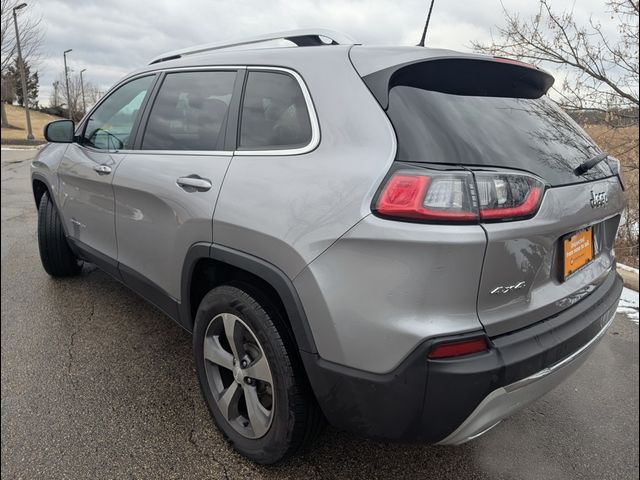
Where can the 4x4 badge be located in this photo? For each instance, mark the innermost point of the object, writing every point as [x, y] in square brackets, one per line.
[599, 200]
[510, 288]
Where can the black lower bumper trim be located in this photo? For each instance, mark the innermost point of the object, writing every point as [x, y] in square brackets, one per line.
[427, 400]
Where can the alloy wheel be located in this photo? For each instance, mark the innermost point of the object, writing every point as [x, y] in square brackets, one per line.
[239, 375]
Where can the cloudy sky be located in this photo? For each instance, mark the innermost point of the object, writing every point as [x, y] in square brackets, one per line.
[110, 38]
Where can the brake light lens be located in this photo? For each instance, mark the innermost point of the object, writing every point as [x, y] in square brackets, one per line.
[458, 197]
[513, 61]
[459, 348]
[442, 197]
[614, 165]
[508, 196]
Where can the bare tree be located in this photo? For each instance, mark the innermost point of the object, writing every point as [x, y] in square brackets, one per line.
[92, 94]
[601, 77]
[74, 100]
[31, 38]
[602, 71]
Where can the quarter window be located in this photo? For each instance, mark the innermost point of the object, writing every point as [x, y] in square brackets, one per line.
[109, 126]
[190, 111]
[274, 113]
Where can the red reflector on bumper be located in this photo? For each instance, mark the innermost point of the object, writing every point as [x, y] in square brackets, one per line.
[457, 349]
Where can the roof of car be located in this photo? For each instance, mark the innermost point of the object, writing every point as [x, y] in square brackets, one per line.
[259, 49]
[367, 59]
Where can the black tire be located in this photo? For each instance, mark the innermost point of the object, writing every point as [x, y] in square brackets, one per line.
[297, 419]
[57, 258]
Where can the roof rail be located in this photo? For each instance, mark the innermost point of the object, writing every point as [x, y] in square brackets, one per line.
[302, 38]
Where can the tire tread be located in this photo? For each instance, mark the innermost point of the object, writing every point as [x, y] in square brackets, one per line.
[57, 258]
[308, 420]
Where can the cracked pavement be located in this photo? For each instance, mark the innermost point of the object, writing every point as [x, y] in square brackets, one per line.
[98, 384]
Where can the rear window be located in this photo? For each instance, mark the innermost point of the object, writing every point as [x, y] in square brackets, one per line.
[531, 134]
[274, 113]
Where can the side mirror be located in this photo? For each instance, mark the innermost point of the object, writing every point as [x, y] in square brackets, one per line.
[60, 131]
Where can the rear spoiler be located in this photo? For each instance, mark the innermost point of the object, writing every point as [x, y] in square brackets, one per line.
[465, 75]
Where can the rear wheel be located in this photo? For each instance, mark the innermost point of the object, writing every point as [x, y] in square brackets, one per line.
[57, 258]
[250, 377]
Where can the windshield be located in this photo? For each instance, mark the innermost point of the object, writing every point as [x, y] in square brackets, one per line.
[534, 135]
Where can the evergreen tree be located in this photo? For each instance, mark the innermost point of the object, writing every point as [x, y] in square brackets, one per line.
[32, 83]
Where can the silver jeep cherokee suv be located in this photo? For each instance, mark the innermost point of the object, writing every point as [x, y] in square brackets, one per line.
[410, 243]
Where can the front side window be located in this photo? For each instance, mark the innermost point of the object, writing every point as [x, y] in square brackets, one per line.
[109, 126]
[190, 111]
[274, 113]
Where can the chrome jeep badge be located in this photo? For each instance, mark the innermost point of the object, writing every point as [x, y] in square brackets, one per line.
[599, 200]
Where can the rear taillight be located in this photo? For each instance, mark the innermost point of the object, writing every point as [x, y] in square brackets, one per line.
[614, 165]
[459, 348]
[508, 196]
[437, 196]
[456, 197]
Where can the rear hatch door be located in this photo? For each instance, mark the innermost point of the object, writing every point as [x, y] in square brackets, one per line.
[485, 114]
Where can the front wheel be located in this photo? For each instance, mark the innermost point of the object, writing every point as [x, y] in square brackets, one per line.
[57, 258]
[250, 377]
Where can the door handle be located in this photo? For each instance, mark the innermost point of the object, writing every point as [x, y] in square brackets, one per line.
[194, 183]
[102, 169]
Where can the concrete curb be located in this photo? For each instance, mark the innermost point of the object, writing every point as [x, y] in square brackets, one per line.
[13, 142]
[630, 278]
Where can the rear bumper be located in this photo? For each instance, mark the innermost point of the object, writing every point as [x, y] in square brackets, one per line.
[506, 400]
[452, 401]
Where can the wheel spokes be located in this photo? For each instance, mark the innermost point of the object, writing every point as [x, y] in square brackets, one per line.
[259, 417]
[228, 401]
[239, 375]
[259, 370]
[233, 332]
[214, 353]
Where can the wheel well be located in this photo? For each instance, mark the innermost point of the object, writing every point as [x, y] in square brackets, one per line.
[39, 189]
[209, 273]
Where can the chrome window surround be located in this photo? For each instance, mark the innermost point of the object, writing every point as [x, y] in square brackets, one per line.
[313, 117]
[82, 124]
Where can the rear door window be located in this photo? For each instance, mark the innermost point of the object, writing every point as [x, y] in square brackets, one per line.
[274, 113]
[190, 111]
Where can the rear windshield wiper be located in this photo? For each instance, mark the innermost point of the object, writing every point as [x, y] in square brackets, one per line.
[587, 165]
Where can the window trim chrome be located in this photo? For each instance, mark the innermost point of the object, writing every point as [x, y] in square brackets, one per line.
[82, 124]
[201, 153]
[311, 111]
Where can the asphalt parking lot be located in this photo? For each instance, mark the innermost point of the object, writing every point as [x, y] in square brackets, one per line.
[98, 384]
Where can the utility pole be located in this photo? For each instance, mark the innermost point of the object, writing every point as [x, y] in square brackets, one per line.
[84, 103]
[25, 93]
[66, 79]
[426, 25]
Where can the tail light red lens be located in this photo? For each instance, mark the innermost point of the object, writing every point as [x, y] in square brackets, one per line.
[459, 348]
[458, 197]
[443, 197]
[508, 196]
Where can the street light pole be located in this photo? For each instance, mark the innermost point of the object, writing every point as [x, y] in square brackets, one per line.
[66, 79]
[84, 103]
[25, 94]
